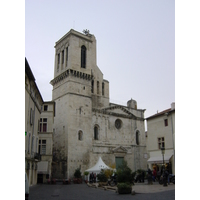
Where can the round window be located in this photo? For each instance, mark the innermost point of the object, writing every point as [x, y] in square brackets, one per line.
[118, 123]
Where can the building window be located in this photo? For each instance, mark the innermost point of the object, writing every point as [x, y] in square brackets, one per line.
[83, 57]
[137, 137]
[161, 142]
[58, 62]
[97, 87]
[43, 124]
[166, 122]
[118, 123]
[58, 58]
[31, 117]
[80, 135]
[103, 89]
[96, 133]
[42, 147]
[66, 56]
[62, 56]
[45, 107]
[92, 88]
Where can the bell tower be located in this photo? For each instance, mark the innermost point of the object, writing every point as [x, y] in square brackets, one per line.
[78, 86]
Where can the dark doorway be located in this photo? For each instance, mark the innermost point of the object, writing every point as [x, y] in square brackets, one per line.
[40, 178]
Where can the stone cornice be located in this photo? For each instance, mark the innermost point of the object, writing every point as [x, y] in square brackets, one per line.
[111, 113]
[71, 72]
[108, 111]
[77, 34]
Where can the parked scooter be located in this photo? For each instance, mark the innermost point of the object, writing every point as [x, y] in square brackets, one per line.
[171, 179]
[113, 180]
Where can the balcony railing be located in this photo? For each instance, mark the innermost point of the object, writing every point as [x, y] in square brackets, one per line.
[37, 156]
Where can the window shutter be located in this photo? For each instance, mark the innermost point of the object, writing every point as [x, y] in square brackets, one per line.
[31, 118]
[29, 142]
[36, 150]
[32, 146]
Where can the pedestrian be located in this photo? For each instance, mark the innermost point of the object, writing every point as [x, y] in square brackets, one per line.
[143, 176]
[92, 176]
[158, 175]
[167, 176]
[95, 177]
[154, 175]
[149, 176]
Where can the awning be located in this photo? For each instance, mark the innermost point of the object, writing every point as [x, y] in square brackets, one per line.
[159, 159]
[42, 167]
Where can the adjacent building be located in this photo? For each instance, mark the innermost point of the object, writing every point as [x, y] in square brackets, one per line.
[39, 117]
[86, 124]
[45, 146]
[33, 109]
[161, 133]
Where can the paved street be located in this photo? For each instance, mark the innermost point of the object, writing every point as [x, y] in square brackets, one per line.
[82, 191]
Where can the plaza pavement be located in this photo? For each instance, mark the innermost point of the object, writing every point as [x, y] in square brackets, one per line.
[143, 191]
[140, 188]
[154, 188]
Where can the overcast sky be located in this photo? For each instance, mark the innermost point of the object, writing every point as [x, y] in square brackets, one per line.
[135, 45]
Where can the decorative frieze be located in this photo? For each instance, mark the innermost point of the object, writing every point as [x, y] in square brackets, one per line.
[71, 72]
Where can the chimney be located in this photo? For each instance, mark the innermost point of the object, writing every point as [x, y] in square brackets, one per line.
[173, 106]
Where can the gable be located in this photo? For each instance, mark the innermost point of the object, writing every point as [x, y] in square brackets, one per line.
[119, 149]
[116, 110]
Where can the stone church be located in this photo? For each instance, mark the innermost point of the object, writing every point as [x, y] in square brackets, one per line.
[86, 124]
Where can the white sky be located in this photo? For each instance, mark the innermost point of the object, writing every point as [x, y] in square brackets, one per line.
[135, 45]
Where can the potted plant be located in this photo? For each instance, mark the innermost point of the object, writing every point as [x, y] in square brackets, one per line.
[86, 176]
[102, 178]
[77, 175]
[124, 188]
[124, 179]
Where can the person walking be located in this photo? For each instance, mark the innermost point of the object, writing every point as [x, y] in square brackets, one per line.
[143, 174]
[154, 175]
[92, 176]
[150, 177]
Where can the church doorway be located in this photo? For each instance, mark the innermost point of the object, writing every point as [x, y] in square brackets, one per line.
[118, 161]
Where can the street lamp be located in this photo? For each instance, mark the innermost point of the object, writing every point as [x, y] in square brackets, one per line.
[163, 152]
[164, 177]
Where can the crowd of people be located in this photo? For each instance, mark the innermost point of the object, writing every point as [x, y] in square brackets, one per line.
[93, 177]
[156, 174]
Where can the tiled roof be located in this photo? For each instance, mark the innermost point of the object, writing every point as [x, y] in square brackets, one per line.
[160, 113]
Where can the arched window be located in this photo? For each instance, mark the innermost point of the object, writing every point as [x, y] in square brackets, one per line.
[103, 89]
[96, 133]
[137, 137]
[80, 135]
[92, 88]
[83, 56]
[97, 87]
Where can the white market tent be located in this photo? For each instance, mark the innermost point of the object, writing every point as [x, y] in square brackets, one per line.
[97, 168]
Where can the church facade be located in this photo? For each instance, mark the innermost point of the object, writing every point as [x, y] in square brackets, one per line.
[86, 124]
